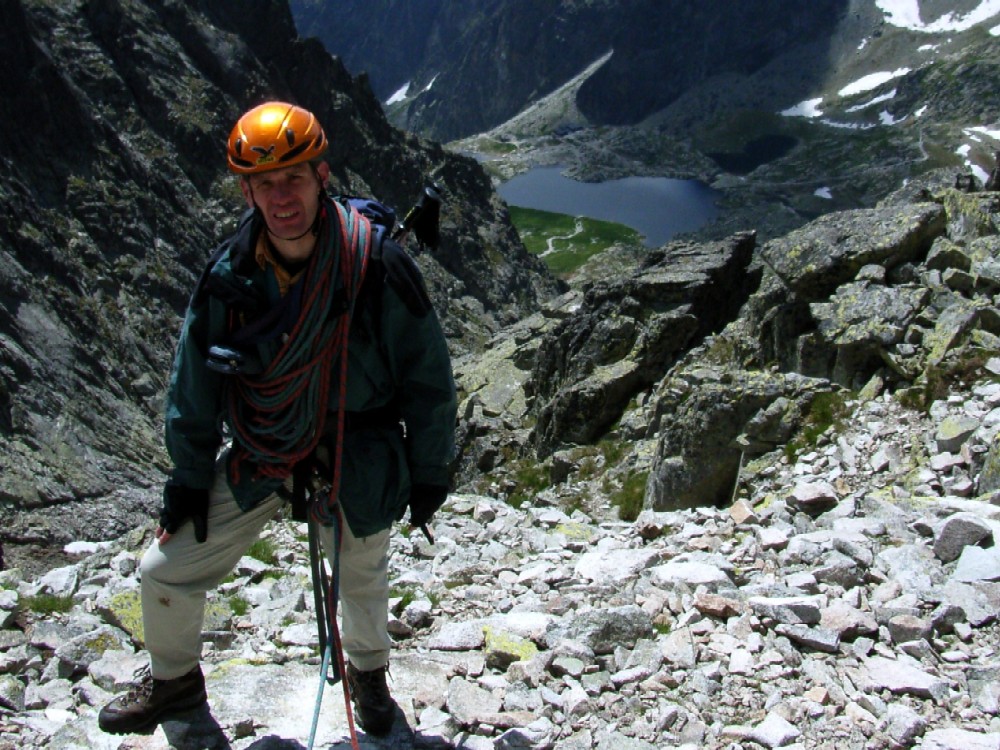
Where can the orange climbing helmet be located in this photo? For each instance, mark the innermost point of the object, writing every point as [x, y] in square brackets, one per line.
[274, 135]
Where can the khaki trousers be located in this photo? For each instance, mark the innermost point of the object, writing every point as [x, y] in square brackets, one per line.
[177, 576]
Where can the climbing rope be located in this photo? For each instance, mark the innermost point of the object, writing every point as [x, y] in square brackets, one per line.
[327, 593]
[278, 417]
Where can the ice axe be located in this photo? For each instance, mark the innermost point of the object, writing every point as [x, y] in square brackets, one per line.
[423, 219]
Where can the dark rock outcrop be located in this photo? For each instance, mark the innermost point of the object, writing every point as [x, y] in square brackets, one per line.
[851, 297]
[627, 333]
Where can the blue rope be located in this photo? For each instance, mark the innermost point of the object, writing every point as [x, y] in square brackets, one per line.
[327, 654]
[325, 511]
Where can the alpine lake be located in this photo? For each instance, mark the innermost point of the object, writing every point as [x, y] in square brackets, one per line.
[566, 221]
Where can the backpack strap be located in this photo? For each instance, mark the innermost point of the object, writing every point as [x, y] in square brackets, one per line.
[403, 274]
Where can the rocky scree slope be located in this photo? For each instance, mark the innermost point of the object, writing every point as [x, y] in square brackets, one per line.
[114, 193]
[834, 605]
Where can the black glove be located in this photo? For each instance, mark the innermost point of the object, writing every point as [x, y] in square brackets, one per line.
[425, 499]
[181, 503]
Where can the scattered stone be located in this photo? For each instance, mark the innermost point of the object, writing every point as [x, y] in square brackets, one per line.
[958, 532]
[774, 731]
[904, 676]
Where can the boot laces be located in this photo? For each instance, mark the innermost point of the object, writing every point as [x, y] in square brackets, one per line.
[141, 688]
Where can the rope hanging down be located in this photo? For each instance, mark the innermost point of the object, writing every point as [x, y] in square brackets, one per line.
[278, 417]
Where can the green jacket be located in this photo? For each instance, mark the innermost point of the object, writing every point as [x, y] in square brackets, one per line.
[397, 359]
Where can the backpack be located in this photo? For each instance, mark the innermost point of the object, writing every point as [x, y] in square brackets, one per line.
[388, 261]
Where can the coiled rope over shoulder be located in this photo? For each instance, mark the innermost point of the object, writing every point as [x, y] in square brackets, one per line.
[278, 417]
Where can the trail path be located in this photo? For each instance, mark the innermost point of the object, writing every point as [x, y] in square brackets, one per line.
[550, 243]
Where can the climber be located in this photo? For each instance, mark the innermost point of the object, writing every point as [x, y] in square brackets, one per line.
[310, 356]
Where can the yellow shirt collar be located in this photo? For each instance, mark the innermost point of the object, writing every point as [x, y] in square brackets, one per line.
[265, 259]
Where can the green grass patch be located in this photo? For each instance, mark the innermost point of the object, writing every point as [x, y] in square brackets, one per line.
[239, 605]
[573, 240]
[530, 478]
[263, 550]
[406, 597]
[960, 370]
[630, 496]
[827, 409]
[48, 604]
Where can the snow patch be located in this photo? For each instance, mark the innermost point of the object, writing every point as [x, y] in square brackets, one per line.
[995, 134]
[975, 134]
[824, 192]
[809, 108]
[400, 94]
[871, 81]
[906, 14]
[885, 117]
[876, 100]
[846, 125]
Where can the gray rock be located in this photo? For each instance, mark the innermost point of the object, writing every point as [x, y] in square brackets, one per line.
[847, 621]
[603, 630]
[958, 532]
[458, 636]
[469, 704]
[984, 688]
[774, 731]
[904, 677]
[679, 648]
[690, 573]
[613, 566]
[977, 564]
[12, 693]
[905, 628]
[792, 610]
[819, 639]
[902, 724]
[953, 738]
[80, 652]
[813, 497]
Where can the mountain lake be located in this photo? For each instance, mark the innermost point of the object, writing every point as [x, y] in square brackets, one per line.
[656, 207]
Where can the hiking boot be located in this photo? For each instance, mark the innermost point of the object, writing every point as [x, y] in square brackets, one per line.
[149, 700]
[373, 706]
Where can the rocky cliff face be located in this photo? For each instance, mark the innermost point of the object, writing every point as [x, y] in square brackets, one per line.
[114, 192]
[709, 356]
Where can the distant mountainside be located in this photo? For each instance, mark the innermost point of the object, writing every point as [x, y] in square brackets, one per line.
[790, 110]
[470, 66]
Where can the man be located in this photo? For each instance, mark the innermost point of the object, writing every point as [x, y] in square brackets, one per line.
[316, 345]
